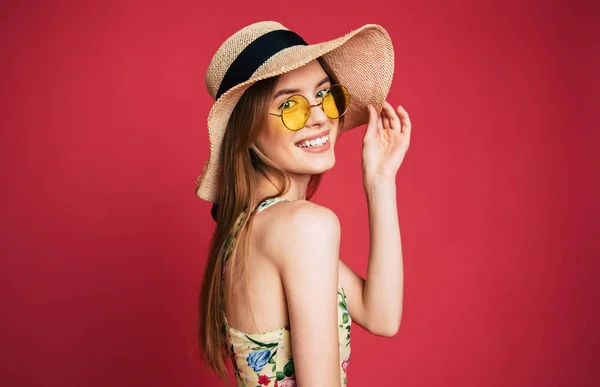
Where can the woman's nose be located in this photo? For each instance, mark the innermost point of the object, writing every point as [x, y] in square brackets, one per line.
[317, 116]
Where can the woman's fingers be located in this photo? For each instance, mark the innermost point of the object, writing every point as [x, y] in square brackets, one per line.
[385, 115]
[372, 124]
[393, 120]
[405, 120]
[388, 119]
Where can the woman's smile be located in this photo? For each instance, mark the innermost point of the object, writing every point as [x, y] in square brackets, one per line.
[316, 143]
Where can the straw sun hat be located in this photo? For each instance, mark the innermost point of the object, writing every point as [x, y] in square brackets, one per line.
[363, 60]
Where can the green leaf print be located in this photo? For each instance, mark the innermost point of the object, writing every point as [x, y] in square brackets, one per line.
[280, 375]
[273, 369]
[289, 370]
[343, 295]
[271, 345]
[345, 318]
[272, 358]
[343, 306]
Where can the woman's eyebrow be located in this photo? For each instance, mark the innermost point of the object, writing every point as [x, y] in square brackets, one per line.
[323, 81]
[285, 91]
[294, 91]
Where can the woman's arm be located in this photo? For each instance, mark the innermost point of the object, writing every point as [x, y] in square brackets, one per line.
[376, 303]
[308, 250]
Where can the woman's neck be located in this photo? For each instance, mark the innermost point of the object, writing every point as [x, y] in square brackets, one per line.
[267, 186]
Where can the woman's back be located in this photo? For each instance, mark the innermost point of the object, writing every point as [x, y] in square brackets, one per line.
[260, 337]
[260, 286]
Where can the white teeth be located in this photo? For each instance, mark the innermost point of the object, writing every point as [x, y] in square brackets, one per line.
[318, 142]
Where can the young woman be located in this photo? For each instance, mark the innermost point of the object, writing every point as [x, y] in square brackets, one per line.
[276, 299]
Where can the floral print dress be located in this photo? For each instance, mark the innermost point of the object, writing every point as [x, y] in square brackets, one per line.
[265, 359]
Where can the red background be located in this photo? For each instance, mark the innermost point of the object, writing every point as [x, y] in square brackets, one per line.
[103, 241]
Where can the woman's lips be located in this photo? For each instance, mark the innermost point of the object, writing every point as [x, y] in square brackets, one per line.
[313, 137]
[314, 142]
[320, 144]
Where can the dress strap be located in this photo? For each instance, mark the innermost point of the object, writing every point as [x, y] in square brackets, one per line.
[268, 203]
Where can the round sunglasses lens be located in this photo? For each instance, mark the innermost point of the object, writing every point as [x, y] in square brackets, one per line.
[336, 102]
[295, 113]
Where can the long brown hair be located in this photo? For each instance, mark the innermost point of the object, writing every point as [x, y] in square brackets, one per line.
[241, 164]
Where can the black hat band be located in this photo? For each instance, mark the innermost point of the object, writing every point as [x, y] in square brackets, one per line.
[255, 54]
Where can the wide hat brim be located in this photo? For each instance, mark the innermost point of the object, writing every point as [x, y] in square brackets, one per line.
[363, 61]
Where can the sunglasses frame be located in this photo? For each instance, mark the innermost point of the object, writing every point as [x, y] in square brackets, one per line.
[280, 115]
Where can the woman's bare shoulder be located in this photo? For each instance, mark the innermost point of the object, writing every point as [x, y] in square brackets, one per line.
[300, 215]
[293, 228]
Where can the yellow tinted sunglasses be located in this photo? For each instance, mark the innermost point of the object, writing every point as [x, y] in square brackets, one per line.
[295, 111]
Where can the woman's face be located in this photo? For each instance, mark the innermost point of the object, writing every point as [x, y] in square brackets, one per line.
[288, 148]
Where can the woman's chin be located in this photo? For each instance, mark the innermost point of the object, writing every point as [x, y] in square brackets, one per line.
[319, 167]
[311, 163]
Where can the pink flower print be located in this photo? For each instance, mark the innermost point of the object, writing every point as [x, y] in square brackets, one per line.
[287, 382]
[345, 365]
[264, 380]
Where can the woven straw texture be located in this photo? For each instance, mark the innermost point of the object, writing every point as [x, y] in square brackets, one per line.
[363, 60]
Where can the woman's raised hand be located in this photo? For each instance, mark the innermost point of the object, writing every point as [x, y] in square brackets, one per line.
[385, 143]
